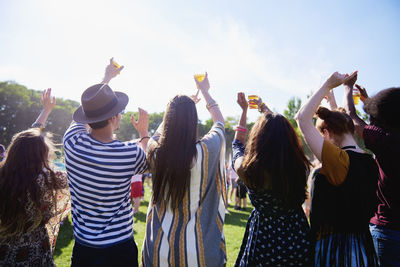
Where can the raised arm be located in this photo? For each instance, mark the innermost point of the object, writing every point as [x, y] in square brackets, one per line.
[241, 130]
[48, 104]
[142, 126]
[348, 104]
[212, 106]
[305, 115]
[111, 71]
[330, 98]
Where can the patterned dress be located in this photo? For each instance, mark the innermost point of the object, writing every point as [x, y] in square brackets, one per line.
[35, 248]
[192, 234]
[275, 236]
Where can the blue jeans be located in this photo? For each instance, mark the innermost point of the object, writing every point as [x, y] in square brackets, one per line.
[387, 245]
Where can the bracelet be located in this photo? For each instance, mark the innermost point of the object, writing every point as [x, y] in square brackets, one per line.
[144, 137]
[211, 106]
[37, 125]
[240, 129]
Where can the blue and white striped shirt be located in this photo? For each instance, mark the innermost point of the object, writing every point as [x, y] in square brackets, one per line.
[99, 177]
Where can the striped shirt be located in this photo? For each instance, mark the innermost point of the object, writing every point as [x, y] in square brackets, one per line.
[99, 177]
[192, 235]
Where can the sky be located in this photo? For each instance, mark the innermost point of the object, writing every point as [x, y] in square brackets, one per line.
[275, 49]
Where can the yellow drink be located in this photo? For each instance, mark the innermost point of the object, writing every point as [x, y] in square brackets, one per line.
[199, 77]
[251, 99]
[356, 97]
[116, 65]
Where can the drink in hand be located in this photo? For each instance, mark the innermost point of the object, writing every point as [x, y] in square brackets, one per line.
[116, 65]
[253, 101]
[199, 77]
[356, 96]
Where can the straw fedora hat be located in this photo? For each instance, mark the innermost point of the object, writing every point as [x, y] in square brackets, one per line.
[99, 103]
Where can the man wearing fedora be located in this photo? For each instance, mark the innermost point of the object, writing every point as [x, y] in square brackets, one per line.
[99, 172]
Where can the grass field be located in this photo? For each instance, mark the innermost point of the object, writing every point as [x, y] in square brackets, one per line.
[234, 228]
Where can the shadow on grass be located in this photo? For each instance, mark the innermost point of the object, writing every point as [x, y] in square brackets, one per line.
[65, 237]
[141, 216]
[236, 217]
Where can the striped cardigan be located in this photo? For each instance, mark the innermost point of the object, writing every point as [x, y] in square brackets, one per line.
[192, 235]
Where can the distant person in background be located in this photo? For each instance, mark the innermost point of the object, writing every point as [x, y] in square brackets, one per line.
[59, 164]
[382, 137]
[234, 185]
[241, 195]
[2, 152]
[274, 168]
[136, 191]
[343, 195]
[34, 198]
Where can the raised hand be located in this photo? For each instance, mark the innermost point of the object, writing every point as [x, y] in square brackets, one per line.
[142, 124]
[195, 97]
[337, 79]
[204, 85]
[241, 100]
[350, 83]
[111, 71]
[363, 92]
[48, 102]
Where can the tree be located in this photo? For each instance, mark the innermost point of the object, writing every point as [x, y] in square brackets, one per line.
[293, 107]
[20, 107]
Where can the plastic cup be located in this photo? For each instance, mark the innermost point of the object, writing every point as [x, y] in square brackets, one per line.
[251, 99]
[116, 65]
[199, 77]
[356, 97]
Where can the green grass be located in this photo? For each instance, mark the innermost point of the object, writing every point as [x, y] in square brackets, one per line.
[235, 223]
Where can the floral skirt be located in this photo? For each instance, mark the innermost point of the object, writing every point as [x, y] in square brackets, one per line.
[29, 249]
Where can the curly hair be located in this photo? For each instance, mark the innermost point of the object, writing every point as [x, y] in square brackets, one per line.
[383, 109]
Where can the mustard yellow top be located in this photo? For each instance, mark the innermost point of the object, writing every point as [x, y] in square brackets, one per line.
[335, 163]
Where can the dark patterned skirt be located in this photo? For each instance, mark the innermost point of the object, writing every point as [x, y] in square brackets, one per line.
[275, 236]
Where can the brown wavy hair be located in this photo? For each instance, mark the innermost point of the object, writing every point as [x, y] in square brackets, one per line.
[336, 121]
[172, 158]
[274, 160]
[26, 159]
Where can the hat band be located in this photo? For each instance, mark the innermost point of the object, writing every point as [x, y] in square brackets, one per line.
[102, 110]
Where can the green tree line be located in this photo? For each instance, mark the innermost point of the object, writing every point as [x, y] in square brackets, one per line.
[20, 106]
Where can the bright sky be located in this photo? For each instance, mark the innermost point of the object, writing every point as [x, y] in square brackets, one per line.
[271, 48]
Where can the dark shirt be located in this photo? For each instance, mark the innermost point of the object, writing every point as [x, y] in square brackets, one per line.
[386, 147]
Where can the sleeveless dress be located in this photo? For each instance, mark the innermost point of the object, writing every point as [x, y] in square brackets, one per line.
[340, 215]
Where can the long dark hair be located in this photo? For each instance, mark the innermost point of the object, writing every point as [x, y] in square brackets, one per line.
[172, 158]
[274, 160]
[26, 159]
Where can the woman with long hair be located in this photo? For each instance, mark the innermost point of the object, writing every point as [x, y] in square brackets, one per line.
[274, 168]
[343, 196]
[382, 137]
[33, 198]
[187, 209]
